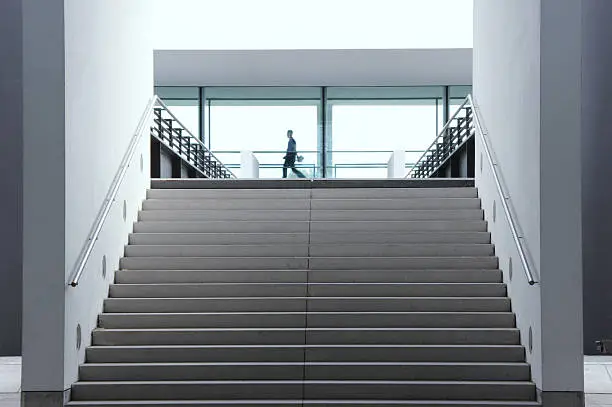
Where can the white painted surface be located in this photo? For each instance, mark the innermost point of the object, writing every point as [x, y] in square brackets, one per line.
[10, 375]
[517, 84]
[88, 77]
[312, 24]
[396, 167]
[108, 84]
[249, 165]
[314, 67]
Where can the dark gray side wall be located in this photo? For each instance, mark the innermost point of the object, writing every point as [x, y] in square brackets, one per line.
[11, 164]
[597, 171]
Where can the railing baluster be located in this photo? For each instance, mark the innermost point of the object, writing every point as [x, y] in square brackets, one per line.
[455, 133]
[171, 132]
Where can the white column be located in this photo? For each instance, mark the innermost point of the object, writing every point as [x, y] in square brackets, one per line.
[396, 167]
[249, 165]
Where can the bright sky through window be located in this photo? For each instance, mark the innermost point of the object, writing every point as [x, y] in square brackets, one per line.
[313, 24]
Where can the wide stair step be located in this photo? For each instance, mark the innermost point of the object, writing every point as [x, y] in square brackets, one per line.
[178, 290]
[312, 319]
[384, 371]
[296, 304]
[299, 403]
[357, 336]
[271, 390]
[316, 353]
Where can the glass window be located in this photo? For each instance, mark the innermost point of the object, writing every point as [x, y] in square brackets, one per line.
[262, 128]
[184, 103]
[363, 125]
[363, 136]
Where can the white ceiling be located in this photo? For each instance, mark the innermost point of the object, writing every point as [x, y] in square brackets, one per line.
[328, 67]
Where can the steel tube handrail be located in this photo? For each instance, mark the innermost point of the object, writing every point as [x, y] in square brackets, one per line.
[162, 104]
[111, 195]
[315, 151]
[504, 201]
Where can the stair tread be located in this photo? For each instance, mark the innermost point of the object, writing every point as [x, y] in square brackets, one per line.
[309, 402]
[300, 346]
[302, 329]
[302, 363]
[310, 313]
[317, 244]
[307, 257]
[304, 283]
[450, 403]
[321, 298]
[280, 382]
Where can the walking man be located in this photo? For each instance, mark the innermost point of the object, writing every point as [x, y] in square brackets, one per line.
[291, 156]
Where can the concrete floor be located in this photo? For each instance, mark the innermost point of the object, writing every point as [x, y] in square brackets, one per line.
[597, 381]
[10, 382]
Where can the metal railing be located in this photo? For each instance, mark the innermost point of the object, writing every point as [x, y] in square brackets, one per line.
[359, 161]
[200, 156]
[455, 133]
[174, 135]
[111, 195]
[518, 239]
[465, 123]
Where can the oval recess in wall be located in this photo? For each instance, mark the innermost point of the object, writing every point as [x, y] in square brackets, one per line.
[141, 163]
[104, 266]
[124, 210]
[510, 272]
[530, 339]
[79, 336]
[481, 163]
[494, 211]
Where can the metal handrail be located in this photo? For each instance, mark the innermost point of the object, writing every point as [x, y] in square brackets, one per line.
[111, 195]
[162, 104]
[504, 201]
[440, 134]
[315, 151]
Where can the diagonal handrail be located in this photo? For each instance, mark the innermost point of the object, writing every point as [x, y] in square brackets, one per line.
[518, 240]
[111, 195]
[113, 190]
[477, 125]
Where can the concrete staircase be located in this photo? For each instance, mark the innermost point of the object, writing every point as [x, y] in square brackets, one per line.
[316, 295]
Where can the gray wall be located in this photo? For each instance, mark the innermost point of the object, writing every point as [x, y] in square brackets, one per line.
[596, 171]
[44, 153]
[11, 146]
[527, 85]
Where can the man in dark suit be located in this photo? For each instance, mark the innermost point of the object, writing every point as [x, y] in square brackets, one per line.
[291, 156]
